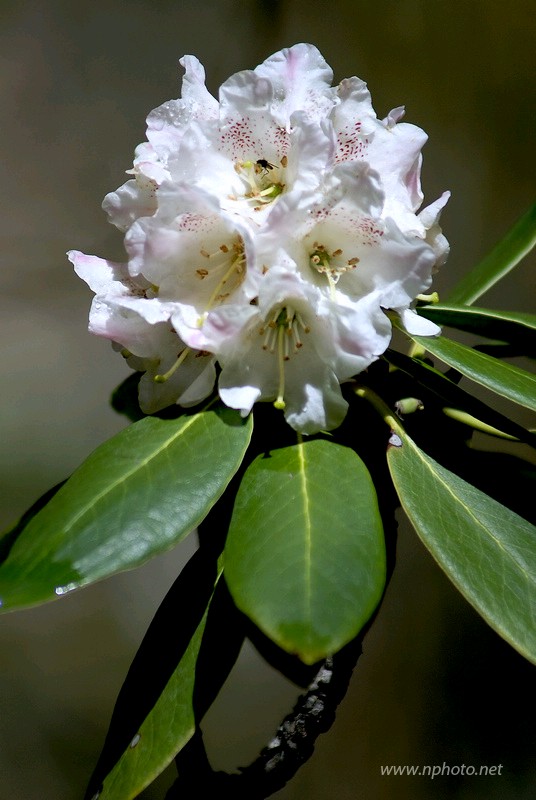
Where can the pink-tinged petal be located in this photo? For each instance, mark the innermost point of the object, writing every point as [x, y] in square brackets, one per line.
[102, 276]
[123, 326]
[220, 331]
[301, 81]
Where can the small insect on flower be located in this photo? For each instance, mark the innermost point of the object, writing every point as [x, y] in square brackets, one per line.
[262, 165]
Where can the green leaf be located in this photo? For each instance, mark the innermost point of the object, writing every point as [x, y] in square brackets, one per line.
[171, 721]
[450, 394]
[135, 496]
[504, 257]
[305, 556]
[488, 551]
[506, 326]
[10, 536]
[512, 382]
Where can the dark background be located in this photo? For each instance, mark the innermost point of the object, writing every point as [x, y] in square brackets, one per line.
[76, 82]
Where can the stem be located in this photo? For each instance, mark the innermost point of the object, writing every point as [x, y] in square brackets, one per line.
[416, 350]
[381, 407]
[292, 745]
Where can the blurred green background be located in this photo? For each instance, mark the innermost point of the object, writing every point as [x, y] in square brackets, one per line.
[77, 80]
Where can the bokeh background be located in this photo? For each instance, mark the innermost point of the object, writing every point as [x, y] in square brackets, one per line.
[76, 82]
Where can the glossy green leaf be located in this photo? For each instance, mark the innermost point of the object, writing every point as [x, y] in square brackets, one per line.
[449, 394]
[506, 326]
[488, 551]
[135, 496]
[505, 379]
[171, 721]
[504, 257]
[10, 536]
[305, 556]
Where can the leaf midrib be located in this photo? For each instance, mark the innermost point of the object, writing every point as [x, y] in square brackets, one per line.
[307, 530]
[466, 508]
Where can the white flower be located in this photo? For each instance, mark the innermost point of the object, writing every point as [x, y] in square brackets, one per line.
[126, 312]
[268, 231]
[293, 346]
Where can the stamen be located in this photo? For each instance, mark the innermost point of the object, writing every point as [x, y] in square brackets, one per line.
[295, 334]
[236, 267]
[299, 318]
[282, 331]
[322, 261]
[279, 403]
[171, 371]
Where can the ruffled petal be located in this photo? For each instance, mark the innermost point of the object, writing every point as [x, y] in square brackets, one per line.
[300, 80]
[167, 124]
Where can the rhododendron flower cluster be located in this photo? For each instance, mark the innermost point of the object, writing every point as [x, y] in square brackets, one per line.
[267, 232]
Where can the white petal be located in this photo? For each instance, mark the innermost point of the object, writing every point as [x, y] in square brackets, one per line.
[102, 276]
[315, 407]
[301, 81]
[416, 325]
[429, 217]
[130, 201]
[167, 124]
[242, 397]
